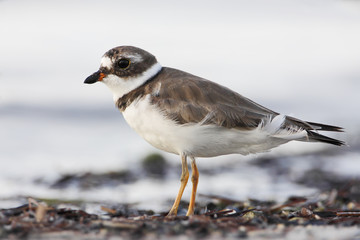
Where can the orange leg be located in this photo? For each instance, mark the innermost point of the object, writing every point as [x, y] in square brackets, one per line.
[195, 180]
[184, 179]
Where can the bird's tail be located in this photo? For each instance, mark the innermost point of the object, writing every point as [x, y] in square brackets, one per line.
[312, 128]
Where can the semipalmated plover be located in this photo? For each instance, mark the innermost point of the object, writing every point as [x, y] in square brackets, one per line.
[193, 117]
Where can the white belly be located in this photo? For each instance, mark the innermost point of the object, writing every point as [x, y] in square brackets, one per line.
[194, 139]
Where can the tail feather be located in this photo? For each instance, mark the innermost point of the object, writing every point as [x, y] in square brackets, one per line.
[316, 137]
[311, 129]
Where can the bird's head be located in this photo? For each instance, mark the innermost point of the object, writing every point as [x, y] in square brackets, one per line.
[125, 68]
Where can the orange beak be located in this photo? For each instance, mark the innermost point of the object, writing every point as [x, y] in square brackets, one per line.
[101, 76]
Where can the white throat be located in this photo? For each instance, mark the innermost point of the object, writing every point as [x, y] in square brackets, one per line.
[121, 86]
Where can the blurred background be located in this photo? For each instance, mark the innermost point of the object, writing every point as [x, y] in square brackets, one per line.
[295, 57]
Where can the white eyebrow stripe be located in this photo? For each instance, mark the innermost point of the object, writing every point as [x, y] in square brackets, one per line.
[134, 57]
[107, 62]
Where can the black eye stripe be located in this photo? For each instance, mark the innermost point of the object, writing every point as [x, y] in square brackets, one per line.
[123, 63]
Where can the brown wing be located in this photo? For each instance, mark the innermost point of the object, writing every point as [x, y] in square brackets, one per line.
[190, 99]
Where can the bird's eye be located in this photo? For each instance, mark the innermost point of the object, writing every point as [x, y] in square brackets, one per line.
[123, 63]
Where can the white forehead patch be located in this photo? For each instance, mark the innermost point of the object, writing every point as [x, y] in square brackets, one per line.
[106, 62]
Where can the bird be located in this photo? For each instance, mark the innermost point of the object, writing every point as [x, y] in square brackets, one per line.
[193, 117]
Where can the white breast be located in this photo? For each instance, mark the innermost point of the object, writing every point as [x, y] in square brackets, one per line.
[149, 123]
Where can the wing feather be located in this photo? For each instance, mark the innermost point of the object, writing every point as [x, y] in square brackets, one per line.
[189, 99]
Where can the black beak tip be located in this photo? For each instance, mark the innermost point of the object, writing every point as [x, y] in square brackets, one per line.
[93, 78]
